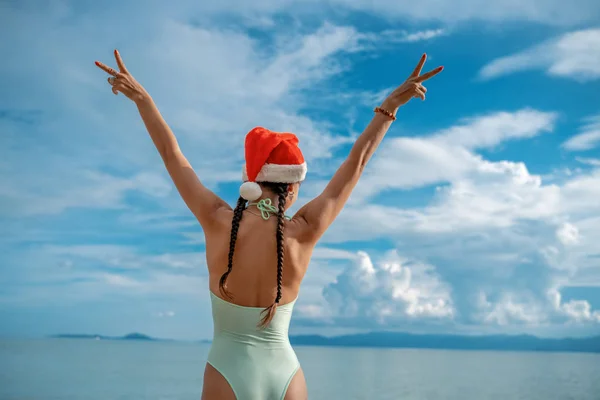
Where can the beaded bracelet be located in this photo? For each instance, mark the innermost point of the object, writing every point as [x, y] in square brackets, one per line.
[385, 112]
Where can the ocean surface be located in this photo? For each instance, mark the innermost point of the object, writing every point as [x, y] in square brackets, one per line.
[67, 369]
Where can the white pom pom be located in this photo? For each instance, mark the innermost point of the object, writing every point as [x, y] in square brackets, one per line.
[250, 191]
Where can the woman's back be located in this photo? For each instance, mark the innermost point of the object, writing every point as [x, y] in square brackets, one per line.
[253, 278]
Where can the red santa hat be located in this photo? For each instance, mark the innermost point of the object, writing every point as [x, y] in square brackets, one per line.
[270, 157]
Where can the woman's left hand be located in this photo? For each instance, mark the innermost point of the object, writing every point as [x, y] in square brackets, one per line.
[122, 81]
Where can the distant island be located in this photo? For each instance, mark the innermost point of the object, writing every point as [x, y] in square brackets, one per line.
[452, 342]
[415, 341]
[130, 336]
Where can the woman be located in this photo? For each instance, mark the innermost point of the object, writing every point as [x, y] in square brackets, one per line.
[256, 256]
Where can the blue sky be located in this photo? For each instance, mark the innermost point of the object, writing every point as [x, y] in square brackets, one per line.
[479, 213]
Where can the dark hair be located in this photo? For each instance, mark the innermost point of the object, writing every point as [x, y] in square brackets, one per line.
[281, 190]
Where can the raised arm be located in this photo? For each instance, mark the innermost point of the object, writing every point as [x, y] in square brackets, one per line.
[200, 200]
[319, 213]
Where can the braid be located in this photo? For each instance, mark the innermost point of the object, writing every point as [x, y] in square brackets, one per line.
[280, 248]
[235, 224]
[281, 191]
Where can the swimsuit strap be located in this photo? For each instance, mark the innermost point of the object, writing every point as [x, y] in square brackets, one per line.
[266, 208]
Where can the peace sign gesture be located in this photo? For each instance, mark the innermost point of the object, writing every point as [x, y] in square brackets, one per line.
[412, 87]
[122, 81]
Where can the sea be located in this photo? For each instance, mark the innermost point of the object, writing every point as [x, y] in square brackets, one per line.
[87, 369]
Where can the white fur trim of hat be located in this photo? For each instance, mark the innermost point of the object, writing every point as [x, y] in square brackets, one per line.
[279, 173]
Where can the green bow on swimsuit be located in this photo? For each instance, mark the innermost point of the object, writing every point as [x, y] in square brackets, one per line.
[266, 208]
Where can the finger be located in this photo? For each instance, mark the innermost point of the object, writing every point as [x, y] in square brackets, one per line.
[429, 74]
[420, 94]
[120, 61]
[121, 87]
[419, 67]
[423, 88]
[119, 79]
[106, 68]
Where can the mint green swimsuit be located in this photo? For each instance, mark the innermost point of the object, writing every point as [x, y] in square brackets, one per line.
[259, 364]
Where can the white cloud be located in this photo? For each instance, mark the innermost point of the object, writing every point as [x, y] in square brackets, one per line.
[165, 314]
[589, 137]
[568, 234]
[447, 155]
[491, 196]
[402, 36]
[65, 274]
[194, 238]
[127, 257]
[580, 311]
[391, 291]
[509, 310]
[93, 251]
[589, 161]
[580, 194]
[574, 310]
[493, 199]
[531, 310]
[574, 55]
[55, 192]
[327, 253]
[497, 195]
[488, 131]
[120, 280]
[423, 35]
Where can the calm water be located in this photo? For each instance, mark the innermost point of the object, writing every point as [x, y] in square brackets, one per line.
[83, 369]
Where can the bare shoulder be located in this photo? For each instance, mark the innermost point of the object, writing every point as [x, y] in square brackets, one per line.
[223, 217]
[300, 242]
[296, 229]
[218, 230]
[303, 231]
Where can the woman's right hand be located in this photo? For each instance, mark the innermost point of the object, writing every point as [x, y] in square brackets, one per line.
[122, 81]
[412, 87]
